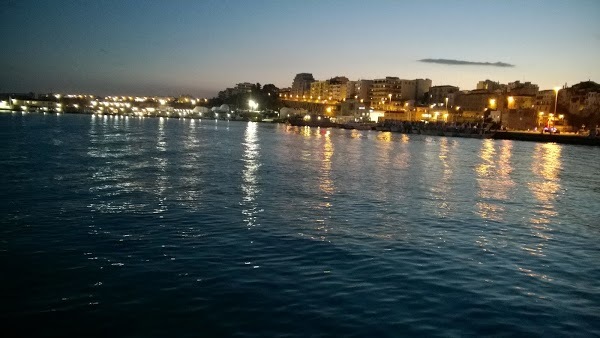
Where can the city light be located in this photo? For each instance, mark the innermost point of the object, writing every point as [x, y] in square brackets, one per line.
[253, 105]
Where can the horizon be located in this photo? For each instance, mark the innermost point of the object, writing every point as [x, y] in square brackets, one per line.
[114, 48]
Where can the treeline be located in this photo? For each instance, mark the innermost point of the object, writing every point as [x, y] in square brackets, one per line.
[266, 96]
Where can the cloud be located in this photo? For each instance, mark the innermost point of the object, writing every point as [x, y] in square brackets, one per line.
[466, 63]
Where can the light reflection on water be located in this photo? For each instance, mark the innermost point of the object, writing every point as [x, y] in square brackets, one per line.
[492, 189]
[544, 186]
[249, 175]
[162, 162]
[374, 231]
[443, 188]
[191, 182]
[325, 184]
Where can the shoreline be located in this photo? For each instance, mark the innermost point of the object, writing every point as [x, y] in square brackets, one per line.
[496, 135]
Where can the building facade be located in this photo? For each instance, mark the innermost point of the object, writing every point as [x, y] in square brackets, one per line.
[301, 84]
[518, 88]
[489, 85]
[544, 101]
[439, 94]
[391, 93]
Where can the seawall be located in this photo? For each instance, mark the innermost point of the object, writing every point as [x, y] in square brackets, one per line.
[537, 137]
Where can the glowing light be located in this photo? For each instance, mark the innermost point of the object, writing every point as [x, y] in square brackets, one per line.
[253, 104]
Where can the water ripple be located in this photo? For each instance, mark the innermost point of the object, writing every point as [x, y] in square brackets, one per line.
[156, 227]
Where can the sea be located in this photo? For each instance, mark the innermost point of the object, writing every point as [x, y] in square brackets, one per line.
[162, 227]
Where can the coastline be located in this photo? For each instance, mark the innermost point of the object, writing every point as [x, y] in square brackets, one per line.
[496, 135]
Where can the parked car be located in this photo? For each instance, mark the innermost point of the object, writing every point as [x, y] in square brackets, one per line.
[551, 130]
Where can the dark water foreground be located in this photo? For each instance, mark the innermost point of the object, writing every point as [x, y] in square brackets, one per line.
[155, 227]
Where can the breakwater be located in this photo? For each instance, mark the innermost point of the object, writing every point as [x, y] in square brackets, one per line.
[556, 138]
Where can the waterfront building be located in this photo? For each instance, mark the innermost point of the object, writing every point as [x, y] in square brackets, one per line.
[518, 88]
[422, 87]
[245, 87]
[490, 86]
[334, 89]
[240, 88]
[301, 84]
[544, 101]
[285, 93]
[580, 99]
[359, 90]
[29, 104]
[439, 94]
[319, 90]
[391, 93]
[386, 93]
[517, 111]
[471, 106]
[351, 91]
[353, 110]
[338, 88]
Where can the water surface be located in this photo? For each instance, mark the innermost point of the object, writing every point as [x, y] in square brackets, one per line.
[168, 227]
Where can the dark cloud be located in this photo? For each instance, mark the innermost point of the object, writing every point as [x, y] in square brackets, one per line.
[466, 63]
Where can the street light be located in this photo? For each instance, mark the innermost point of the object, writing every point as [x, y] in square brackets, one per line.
[447, 109]
[252, 104]
[556, 89]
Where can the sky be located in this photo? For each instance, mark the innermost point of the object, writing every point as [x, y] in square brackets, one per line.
[201, 47]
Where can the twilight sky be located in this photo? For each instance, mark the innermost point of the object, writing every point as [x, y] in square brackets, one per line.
[200, 47]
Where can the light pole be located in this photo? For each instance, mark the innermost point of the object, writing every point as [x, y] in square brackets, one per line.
[447, 110]
[556, 89]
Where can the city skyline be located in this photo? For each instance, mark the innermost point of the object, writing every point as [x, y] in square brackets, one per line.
[201, 48]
